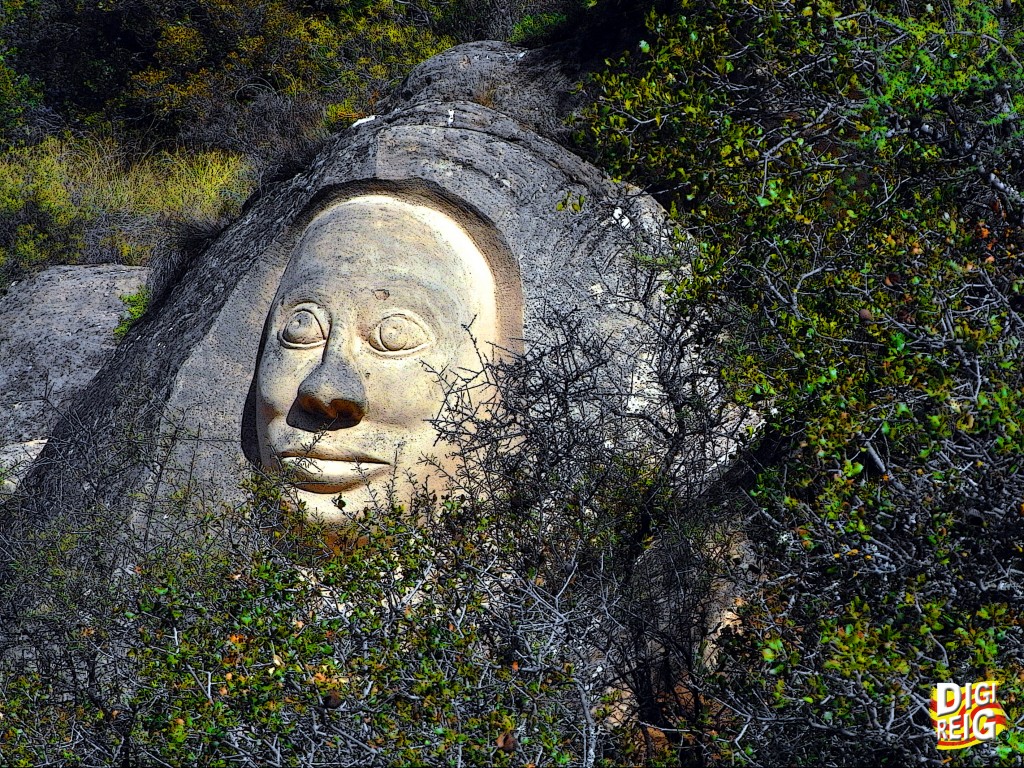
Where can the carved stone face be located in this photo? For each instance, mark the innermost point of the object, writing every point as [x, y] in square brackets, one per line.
[373, 305]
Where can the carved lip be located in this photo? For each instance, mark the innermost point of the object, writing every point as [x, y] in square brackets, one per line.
[320, 474]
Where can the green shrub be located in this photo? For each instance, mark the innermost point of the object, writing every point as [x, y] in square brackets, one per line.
[172, 67]
[16, 94]
[851, 174]
[39, 222]
[535, 26]
[136, 305]
[266, 642]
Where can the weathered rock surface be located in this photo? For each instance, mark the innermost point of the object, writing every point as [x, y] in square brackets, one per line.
[56, 330]
[528, 85]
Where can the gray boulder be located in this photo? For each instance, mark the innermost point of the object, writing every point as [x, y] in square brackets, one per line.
[56, 331]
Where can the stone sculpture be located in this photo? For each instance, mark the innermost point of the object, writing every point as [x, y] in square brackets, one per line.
[380, 298]
[420, 243]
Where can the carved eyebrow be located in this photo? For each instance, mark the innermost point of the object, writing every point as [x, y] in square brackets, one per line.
[303, 295]
[421, 311]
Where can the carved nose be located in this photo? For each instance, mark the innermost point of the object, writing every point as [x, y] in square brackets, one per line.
[334, 393]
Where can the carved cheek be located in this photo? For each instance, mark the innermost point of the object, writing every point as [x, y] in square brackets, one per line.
[281, 372]
[266, 384]
[400, 392]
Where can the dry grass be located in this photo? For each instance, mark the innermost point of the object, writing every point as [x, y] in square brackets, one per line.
[180, 184]
[71, 200]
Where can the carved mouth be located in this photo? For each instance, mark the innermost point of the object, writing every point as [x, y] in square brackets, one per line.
[331, 475]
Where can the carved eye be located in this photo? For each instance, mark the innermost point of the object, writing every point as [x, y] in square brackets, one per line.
[303, 329]
[399, 333]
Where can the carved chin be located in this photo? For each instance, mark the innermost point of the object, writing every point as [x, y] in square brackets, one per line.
[365, 495]
[358, 502]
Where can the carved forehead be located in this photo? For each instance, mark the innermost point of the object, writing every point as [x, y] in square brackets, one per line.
[387, 233]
